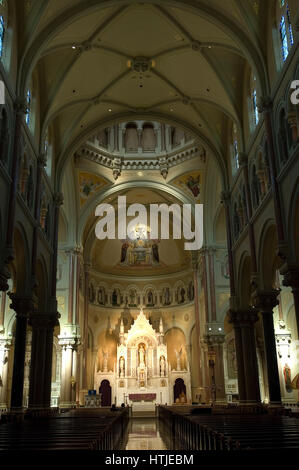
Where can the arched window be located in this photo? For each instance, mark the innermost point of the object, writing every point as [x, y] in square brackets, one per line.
[254, 113]
[3, 25]
[28, 104]
[285, 29]
[2, 34]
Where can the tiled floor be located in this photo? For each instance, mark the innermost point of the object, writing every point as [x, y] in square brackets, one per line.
[143, 434]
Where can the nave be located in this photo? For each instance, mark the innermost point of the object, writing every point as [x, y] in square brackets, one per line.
[175, 428]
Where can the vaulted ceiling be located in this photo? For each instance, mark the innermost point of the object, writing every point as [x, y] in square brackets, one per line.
[100, 62]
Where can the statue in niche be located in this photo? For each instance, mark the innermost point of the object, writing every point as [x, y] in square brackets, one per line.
[181, 295]
[121, 366]
[115, 297]
[150, 298]
[178, 358]
[141, 354]
[105, 360]
[101, 296]
[166, 296]
[162, 366]
[132, 296]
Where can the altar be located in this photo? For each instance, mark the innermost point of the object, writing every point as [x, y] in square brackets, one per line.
[142, 376]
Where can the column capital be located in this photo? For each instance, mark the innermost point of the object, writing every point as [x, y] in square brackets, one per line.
[265, 301]
[68, 342]
[44, 320]
[23, 306]
[5, 343]
[214, 340]
[265, 104]
[243, 317]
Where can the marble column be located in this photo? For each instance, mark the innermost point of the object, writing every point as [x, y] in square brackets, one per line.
[248, 377]
[5, 345]
[68, 372]
[23, 307]
[215, 343]
[41, 359]
[265, 302]
[195, 261]
[85, 324]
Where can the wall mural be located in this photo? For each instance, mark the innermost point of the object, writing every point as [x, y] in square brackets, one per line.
[190, 183]
[140, 253]
[89, 184]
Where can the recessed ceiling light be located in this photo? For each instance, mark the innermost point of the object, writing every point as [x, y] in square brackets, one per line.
[73, 47]
[140, 173]
[110, 110]
[210, 47]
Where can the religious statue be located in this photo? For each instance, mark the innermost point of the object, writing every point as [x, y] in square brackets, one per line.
[124, 250]
[105, 360]
[166, 296]
[150, 298]
[162, 366]
[101, 296]
[178, 358]
[141, 354]
[121, 366]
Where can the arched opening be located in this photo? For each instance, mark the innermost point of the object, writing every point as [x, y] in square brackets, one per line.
[179, 391]
[105, 392]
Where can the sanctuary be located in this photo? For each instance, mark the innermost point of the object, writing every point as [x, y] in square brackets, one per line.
[141, 371]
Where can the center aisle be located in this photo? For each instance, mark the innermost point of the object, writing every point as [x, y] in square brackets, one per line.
[144, 434]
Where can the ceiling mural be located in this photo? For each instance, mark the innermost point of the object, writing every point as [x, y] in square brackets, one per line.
[89, 185]
[192, 184]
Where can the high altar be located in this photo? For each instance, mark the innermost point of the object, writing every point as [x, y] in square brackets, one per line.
[142, 373]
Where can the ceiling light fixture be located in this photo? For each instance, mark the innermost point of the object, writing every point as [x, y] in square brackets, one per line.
[110, 110]
[73, 47]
